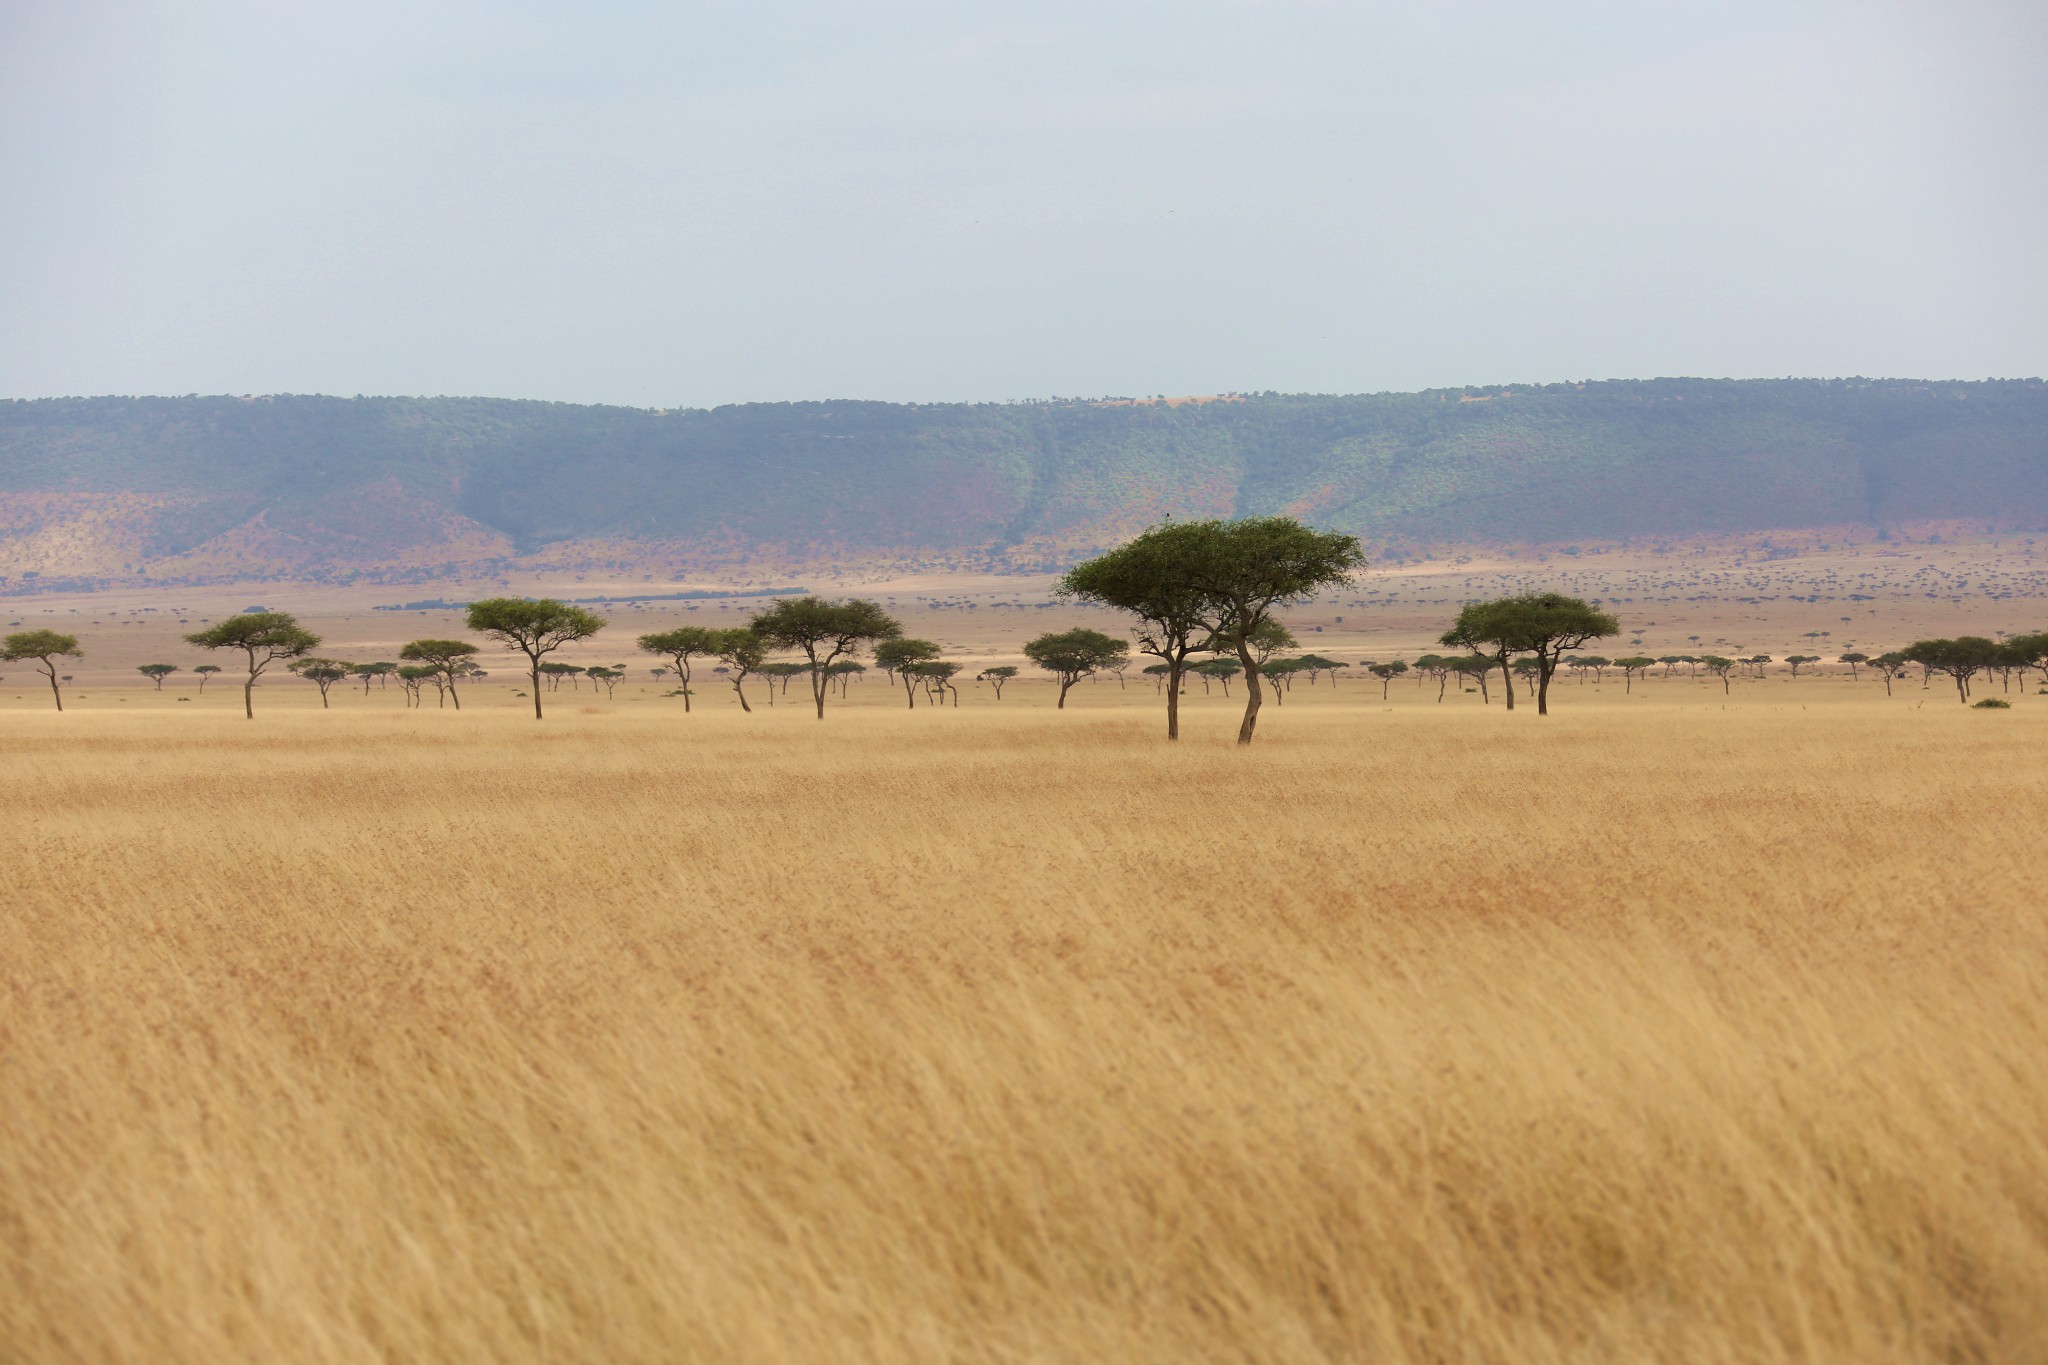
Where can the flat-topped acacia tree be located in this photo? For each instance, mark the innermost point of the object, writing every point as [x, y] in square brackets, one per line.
[536, 628]
[156, 673]
[1543, 625]
[373, 672]
[205, 672]
[322, 673]
[681, 645]
[1247, 570]
[739, 651]
[1962, 658]
[900, 657]
[264, 637]
[823, 631]
[450, 658]
[1071, 655]
[997, 676]
[45, 646]
[1147, 577]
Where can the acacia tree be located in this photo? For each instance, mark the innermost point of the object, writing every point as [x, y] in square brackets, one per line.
[322, 673]
[1962, 658]
[823, 631]
[2029, 650]
[451, 658]
[1631, 666]
[1720, 668]
[1542, 625]
[1148, 578]
[679, 646]
[1386, 673]
[1890, 665]
[1071, 655]
[845, 671]
[1251, 568]
[1221, 670]
[606, 677]
[740, 652]
[205, 674]
[46, 647]
[156, 673]
[376, 672]
[535, 628]
[1795, 662]
[1473, 668]
[897, 657]
[412, 677]
[1000, 674]
[937, 676]
[264, 637]
[1853, 660]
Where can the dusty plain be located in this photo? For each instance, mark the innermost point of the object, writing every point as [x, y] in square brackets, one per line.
[1676, 1026]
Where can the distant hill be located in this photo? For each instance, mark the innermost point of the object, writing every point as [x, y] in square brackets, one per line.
[405, 489]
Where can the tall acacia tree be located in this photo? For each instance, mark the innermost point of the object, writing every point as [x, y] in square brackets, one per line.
[1543, 625]
[264, 637]
[823, 631]
[681, 645]
[1244, 571]
[1071, 655]
[741, 652]
[450, 658]
[45, 646]
[322, 673]
[1962, 658]
[535, 628]
[900, 657]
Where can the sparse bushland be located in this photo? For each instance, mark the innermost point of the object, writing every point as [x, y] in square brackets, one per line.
[1027, 1041]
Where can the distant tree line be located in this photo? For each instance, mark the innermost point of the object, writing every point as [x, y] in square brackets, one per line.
[1203, 598]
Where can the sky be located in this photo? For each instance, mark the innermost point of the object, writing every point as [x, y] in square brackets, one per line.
[687, 204]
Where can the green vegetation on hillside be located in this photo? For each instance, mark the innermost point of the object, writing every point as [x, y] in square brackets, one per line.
[1599, 461]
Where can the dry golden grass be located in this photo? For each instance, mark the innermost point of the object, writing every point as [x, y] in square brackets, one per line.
[1655, 1031]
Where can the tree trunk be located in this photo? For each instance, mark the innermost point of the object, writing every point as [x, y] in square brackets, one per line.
[909, 692]
[742, 696]
[818, 688]
[1065, 683]
[683, 667]
[55, 691]
[536, 685]
[1252, 690]
[1172, 699]
[1507, 681]
[453, 695]
[1542, 687]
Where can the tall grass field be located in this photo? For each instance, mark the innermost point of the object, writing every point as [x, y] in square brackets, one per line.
[1665, 1028]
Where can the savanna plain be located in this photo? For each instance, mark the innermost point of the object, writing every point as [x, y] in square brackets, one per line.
[1676, 1025]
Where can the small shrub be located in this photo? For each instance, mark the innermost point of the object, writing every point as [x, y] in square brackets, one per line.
[1991, 704]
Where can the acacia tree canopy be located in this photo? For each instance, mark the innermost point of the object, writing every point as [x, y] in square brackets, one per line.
[681, 645]
[46, 646]
[535, 628]
[1071, 655]
[264, 637]
[1962, 658]
[900, 656]
[451, 658]
[741, 652]
[1148, 578]
[1543, 625]
[823, 631]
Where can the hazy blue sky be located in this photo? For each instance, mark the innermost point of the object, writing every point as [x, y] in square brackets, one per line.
[671, 203]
